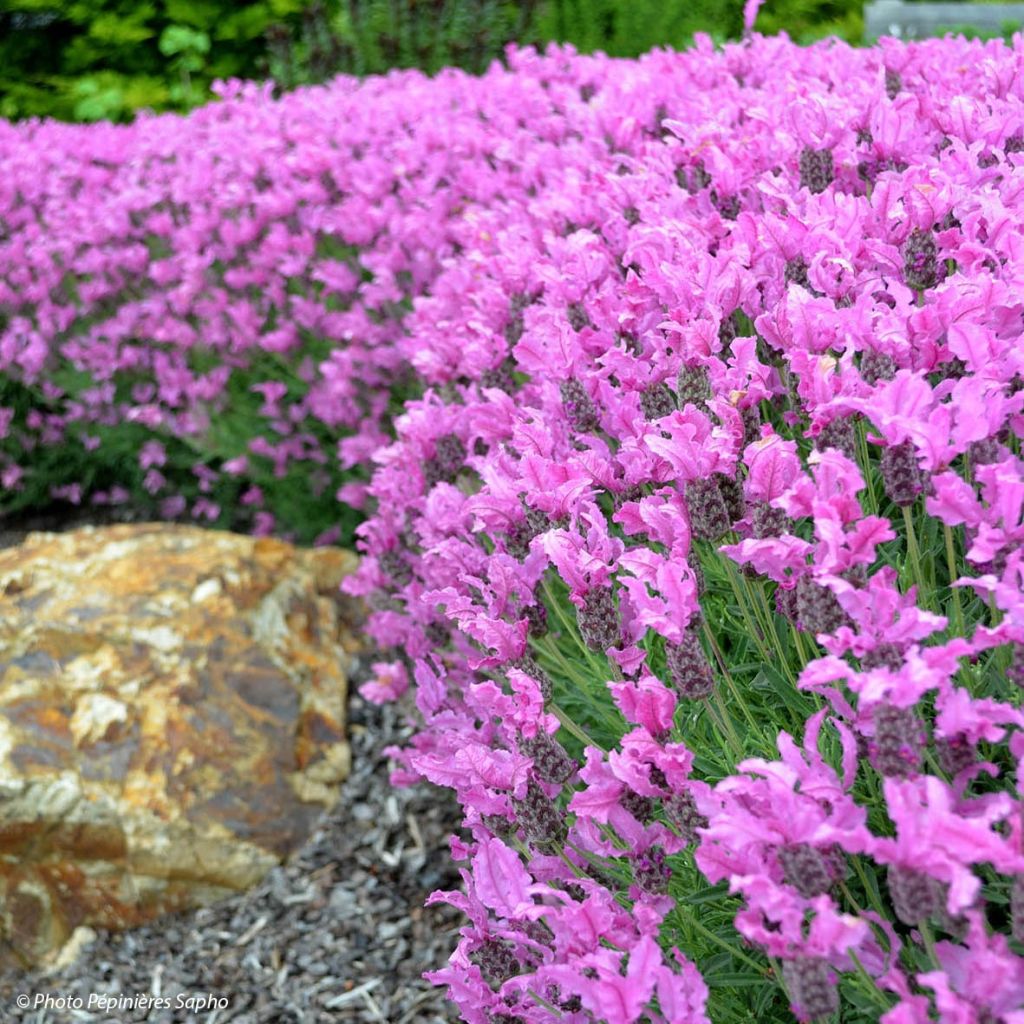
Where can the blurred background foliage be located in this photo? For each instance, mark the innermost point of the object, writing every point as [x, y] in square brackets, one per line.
[88, 60]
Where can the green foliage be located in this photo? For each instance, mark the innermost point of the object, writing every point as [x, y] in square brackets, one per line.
[625, 28]
[89, 60]
[808, 20]
[103, 59]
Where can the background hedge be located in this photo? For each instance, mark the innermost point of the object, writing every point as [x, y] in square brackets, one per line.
[94, 59]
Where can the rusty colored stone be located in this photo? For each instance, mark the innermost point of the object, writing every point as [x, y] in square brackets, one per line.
[172, 721]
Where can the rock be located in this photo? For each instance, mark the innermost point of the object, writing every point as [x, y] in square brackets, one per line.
[172, 721]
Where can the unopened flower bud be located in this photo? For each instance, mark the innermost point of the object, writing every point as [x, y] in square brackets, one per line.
[955, 753]
[767, 521]
[839, 434]
[693, 561]
[699, 177]
[876, 366]
[732, 493]
[437, 634]
[957, 925]
[501, 376]
[693, 387]
[394, 565]
[499, 825]
[728, 329]
[1015, 673]
[1017, 908]
[984, 452]
[796, 272]
[448, 460]
[805, 869]
[786, 603]
[497, 960]
[640, 806]
[883, 655]
[536, 616]
[727, 206]
[578, 318]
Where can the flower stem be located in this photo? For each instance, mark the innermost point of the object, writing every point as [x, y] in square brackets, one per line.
[724, 721]
[748, 619]
[958, 612]
[867, 982]
[929, 942]
[865, 458]
[862, 875]
[734, 691]
[914, 555]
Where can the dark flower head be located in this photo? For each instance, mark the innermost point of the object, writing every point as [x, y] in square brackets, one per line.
[876, 366]
[650, 872]
[683, 814]
[805, 869]
[657, 401]
[693, 386]
[550, 761]
[688, 668]
[579, 407]
[897, 750]
[598, 620]
[812, 987]
[641, 807]
[816, 171]
[497, 959]
[838, 433]
[912, 894]
[818, 610]
[920, 260]
[709, 514]
[541, 821]
[901, 474]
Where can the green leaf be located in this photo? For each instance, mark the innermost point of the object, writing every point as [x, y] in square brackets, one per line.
[180, 39]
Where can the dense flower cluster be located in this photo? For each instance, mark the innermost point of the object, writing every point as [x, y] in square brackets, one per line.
[702, 549]
[234, 282]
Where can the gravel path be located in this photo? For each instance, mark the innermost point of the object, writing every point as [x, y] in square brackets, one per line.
[338, 933]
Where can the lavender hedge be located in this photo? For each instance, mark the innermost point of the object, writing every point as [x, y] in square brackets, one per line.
[698, 530]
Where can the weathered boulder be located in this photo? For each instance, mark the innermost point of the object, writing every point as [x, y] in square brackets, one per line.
[172, 721]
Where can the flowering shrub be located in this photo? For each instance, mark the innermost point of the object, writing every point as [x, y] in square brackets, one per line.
[702, 547]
